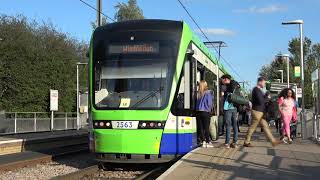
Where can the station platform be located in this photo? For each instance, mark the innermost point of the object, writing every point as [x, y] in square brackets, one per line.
[300, 160]
[17, 143]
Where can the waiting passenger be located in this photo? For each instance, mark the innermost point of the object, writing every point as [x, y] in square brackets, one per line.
[204, 107]
[221, 124]
[230, 112]
[288, 111]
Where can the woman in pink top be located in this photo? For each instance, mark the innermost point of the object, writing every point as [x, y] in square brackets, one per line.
[287, 107]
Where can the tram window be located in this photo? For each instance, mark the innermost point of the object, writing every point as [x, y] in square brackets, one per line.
[182, 103]
[178, 102]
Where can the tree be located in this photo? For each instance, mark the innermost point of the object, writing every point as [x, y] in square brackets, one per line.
[311, 58]
[130, 11]
[35, 58]
[103, 22]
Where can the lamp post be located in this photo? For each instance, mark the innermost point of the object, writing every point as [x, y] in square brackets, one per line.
[281, 75]
[78, 94]
[286, 56]
[303, 118]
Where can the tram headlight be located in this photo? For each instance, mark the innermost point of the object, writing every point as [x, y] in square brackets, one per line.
[99, 124]
[151, 125]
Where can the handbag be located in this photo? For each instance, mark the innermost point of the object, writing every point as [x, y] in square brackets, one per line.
[238, 99]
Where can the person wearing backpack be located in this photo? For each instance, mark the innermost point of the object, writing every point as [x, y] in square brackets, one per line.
[230, 112]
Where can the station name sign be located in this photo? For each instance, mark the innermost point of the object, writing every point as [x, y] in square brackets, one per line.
[134, 48]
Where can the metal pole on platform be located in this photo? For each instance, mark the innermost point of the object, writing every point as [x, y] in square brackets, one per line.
[303, 118]
[288, 71]
[51, 126]
[35, 122]
[66, 121]
[15, 122]
[78, 114]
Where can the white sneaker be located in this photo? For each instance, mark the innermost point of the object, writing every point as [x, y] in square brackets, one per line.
[204, 144]
[227, 146]
[285, 140]
[210, 145]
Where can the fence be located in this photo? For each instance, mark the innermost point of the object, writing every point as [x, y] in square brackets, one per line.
[22, 122]
[316, 127]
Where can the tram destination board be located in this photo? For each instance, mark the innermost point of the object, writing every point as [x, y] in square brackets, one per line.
[134, 48]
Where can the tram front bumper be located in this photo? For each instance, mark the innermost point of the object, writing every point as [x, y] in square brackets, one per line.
[138, 141]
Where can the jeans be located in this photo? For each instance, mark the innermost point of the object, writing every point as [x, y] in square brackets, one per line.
[230, 118]
[257, 118]
[203, 123]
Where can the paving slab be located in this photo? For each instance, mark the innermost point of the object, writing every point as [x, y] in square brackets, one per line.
[300, 160]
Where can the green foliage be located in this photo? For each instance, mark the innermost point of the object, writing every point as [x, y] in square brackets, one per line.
[94, 23]
[35, 58]
[311, 57]
[130, 11]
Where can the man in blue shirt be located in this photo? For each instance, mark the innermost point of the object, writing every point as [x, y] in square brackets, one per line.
[230, 112]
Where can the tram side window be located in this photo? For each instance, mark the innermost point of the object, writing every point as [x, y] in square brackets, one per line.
[211, 79]
[183, 104]
[178, 102]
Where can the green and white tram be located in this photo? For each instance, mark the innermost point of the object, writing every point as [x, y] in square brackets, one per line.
[142, 90]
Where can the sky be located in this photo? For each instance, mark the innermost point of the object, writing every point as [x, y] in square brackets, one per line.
[251, 28]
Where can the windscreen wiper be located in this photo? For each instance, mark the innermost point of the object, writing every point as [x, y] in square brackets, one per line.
[148, 96]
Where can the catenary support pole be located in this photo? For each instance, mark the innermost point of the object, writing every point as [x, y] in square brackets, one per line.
[99, 10]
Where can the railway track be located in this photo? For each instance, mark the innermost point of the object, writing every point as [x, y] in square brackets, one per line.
[26, 159]
[118, 171]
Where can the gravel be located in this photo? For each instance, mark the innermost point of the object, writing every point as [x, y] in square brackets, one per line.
[120, 174]
[60, 166]
[72, 163]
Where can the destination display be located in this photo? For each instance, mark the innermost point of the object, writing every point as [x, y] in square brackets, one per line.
[134, 48]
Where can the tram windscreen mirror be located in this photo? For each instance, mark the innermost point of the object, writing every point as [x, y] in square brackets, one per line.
[134, 48]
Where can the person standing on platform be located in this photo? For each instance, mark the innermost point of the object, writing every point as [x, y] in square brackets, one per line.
[287, 106]
[258, 112]
[221, 124]
[230, 112]
[204, 107]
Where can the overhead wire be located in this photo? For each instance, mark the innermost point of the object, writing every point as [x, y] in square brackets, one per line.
[97, 10]
[207, 38]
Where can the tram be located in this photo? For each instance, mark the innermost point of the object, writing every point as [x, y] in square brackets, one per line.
[143, 78]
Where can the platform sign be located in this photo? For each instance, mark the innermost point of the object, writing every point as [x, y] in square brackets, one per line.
[299, 92]
[54, 96]
[297, 71]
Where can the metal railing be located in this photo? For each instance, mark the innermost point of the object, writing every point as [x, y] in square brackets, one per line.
[316, 127]
[23, 122]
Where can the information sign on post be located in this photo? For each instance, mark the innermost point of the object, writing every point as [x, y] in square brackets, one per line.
[54, 96]
[299, 93]
[297, 71]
